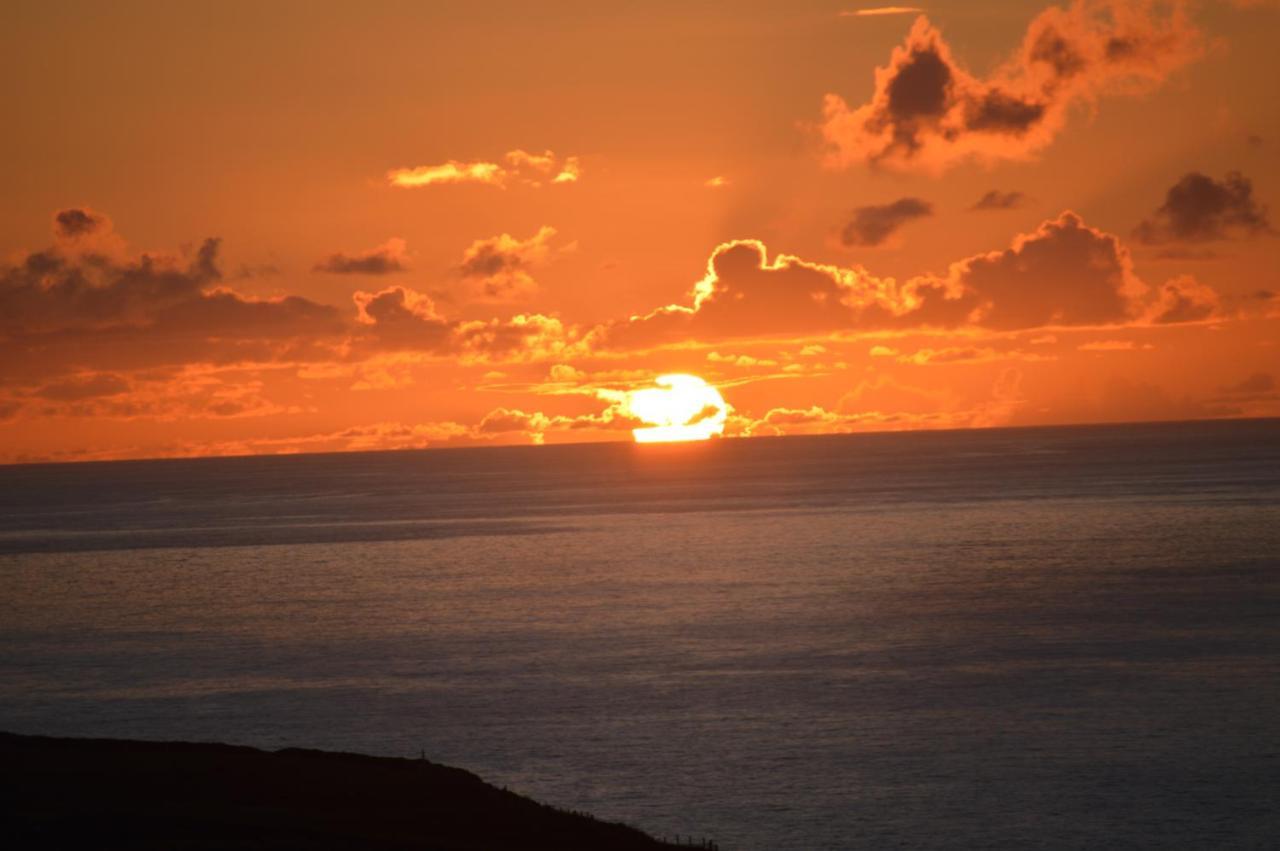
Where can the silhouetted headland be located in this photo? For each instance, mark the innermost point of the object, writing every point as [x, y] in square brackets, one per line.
[109, 793]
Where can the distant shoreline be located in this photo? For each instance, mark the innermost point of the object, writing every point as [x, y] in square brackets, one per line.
[115, 793]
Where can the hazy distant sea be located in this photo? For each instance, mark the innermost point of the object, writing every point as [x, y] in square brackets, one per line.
[1047, 638]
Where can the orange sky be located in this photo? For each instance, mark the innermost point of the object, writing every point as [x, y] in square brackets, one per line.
[320, 226]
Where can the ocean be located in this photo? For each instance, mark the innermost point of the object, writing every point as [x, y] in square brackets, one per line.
[1009, 638]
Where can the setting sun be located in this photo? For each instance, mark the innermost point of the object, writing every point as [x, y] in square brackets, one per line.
[681, 407]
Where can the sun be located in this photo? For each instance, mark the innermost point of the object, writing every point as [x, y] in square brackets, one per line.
[680, 407]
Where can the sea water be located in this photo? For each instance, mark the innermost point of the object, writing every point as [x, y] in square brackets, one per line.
[1033, 638]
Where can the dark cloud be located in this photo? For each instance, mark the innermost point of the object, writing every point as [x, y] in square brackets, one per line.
[383, 260]
[51, 291]
[1123, 400]
[997, 200]
[1053, 49]
[928, 112]
[1259, 385]
[403, 319]
[1184, 299]
[745, 294]
[872, 225]
[1000, 112]
[498, 268]
[1063, 273]
[1186, 253]
[400, 319]
[1253, 394]
[78, 388]
[77, 222]
[916, 97]
[62, 314]
[501, 420]
[246, 271]
[76, 325]
[1200, 209]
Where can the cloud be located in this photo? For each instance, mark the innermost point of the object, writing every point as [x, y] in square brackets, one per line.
[78, 222]
[518, 167]
[1200, 209]
[744, 361]
[859, 412]
[500, 424]
[385, 259]
[51, 291]
[746, 294]
[449, 172]
[1186, 253]
[966, 354]
[1184, 299]
[504, 420]
[997, 200]
[872, 225]
[499, 266]
[879, 10]
[1126, 400]
[86, 234]
[360, 438]
[928, 113]
[400, 319]
[64, 310]
[245, 271]
[1259, 382]
[882, 392]
[190, 393]
[534, 426]
[83, 334]
[66, 313]
[1260, 386]
[1109, 346]
[796, 420]
[565, 373]
[86, 386]
[1062, 273]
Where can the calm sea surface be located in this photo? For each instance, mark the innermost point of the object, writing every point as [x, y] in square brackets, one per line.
[1044, 638]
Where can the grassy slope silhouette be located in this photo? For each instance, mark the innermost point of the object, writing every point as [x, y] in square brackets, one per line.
[108, 793]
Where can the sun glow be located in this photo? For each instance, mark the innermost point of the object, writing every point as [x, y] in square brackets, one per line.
[681, 407]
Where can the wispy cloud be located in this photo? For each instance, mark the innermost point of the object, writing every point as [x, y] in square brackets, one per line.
[997, 200]
[385, 259]
[881, 10]
[873, 225]
[517, 167]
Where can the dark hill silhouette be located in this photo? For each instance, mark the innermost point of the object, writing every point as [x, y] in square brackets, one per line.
[107, 793]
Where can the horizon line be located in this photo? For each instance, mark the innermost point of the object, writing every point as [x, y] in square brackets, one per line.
[648, 447]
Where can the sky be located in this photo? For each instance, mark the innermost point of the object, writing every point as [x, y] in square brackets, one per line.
[298, 227]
